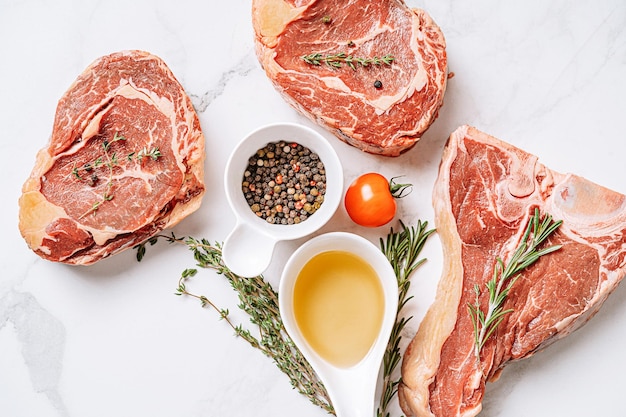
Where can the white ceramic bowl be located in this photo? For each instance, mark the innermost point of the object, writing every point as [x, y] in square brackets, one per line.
[351, 389]
[249, 247]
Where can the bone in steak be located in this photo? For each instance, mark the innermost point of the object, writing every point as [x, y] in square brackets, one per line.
[483, 197]
[388, 119]
[125, 160]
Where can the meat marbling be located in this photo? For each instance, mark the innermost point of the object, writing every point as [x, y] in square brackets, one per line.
[483, 197]
[387, 120]
[81, 202]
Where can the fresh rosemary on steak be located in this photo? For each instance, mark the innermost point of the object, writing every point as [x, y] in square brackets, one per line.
[88, 172]
[504, 277]
[338, 59]
[260, 302]
[402, 249]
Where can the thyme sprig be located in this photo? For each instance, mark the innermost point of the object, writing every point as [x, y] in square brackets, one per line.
[338, 59]
[87, 172]
[260, 302]
[402, 249]
[506, 274]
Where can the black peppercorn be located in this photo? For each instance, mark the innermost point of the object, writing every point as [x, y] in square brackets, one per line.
[378, 84]
[284, 194]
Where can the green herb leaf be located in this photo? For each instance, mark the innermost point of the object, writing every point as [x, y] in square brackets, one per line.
[504, 277]
[110, 161]
[402, 249]
[260, 302]
[336, 60]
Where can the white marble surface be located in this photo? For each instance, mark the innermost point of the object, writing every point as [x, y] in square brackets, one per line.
[113, 340]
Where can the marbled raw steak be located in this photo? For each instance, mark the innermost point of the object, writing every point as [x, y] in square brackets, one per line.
[125, 160]
[381, 109]
[484, 195]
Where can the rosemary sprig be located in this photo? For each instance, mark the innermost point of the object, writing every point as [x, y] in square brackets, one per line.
[338, 59]
[260, 302]
[505, 275]
[402, 249]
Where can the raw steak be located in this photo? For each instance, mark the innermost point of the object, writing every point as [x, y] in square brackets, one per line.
[125, 160]
[483, 197]
[386, 118]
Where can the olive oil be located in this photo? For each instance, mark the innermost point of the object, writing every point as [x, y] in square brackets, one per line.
[338, 306]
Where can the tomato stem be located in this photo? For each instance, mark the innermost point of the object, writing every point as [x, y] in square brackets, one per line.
[399, 190]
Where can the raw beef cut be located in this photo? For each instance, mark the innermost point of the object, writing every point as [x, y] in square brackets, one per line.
[381, 109]
[125, 160]
[484, 194]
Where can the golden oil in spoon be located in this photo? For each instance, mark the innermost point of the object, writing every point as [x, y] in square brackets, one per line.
[338, 304]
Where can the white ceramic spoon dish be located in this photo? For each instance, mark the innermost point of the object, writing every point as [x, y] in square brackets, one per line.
[351, 389]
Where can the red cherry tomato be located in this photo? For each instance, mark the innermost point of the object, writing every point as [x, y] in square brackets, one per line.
[370, 199]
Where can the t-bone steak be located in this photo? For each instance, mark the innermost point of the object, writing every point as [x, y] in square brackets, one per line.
[381, 109]
[484, 195]
[124, 161]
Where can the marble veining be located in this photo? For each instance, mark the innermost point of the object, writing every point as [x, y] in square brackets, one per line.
[113, 340]
[41, 337]
[241, 69]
